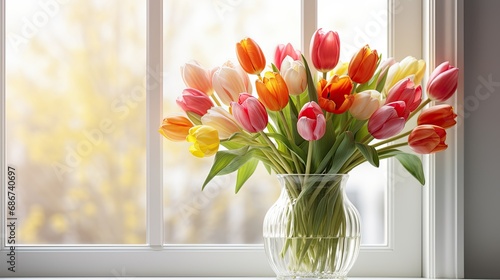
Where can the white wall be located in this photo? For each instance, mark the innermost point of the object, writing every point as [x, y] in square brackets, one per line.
[482, 138]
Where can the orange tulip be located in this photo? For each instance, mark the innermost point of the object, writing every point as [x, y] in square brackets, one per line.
[427, 139]
[273, 91]
[440, 115]
[335, 96]
[175, 128]
[250, 56]
[363, 64]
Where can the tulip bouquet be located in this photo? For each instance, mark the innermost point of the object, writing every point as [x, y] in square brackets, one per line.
[300, 122]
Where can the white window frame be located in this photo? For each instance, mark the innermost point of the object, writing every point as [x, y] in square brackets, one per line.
[439, 254]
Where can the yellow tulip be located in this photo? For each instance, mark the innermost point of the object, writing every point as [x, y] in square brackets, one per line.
[409, 67]
[205, 140]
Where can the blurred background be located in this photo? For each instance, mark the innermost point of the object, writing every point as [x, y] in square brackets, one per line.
[76, 114]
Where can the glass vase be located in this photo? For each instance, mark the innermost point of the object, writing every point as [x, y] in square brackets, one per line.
[312, 231]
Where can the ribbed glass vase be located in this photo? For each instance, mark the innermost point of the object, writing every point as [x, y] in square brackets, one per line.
[313, 230]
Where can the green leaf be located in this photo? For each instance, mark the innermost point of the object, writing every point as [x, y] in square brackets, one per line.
[291, 147]
[410, 162]
[311, 87]
[344, 151]
[222, 160]
[369, 152]
[244, 172]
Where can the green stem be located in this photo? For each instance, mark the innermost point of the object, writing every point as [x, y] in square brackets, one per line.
[392, 139]
[420, 107]
[216, 100]
[309, 156]
[284, 163]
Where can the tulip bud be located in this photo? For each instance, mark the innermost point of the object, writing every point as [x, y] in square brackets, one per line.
[440, 115]
[250, 56]
[409, 67]
[175, 128]
[250, 113]
[365, 104]
[229, 81]
[195, 101]
[388, 120]
[363, 64]
[335, 96]
[294, 74]
[222, 121]
[325, 50]
[273, 91]
[205, 140]
[405, 90]
[195, 76]
[443, 82]
[282, 52]
[311, 124]
[427, 139]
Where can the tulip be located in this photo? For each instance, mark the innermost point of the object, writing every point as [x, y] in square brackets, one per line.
[335, 96]
[383, 68]
[340, 69]
[443, 82]
[195, 101]
[325, 50]
[409, 67]
[250, 56]
[222, 121]
[205, 140]
[388, 120]
[282, 52]
[273, 91]
[229, 81]
[365, 104]
[294, 74]
[427, 139]
[363, 64]
[406, 91]
[195, 76]
[311, 124]
[440, 115]
[250, 113]
[175, 128]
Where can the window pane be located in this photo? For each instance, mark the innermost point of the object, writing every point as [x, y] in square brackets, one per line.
[75, 120]
[207, 31]
[367, 185]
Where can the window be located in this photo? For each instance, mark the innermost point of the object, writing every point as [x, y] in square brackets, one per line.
[145, 246]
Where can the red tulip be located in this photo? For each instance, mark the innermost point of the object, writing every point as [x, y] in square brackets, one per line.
[440, 115]
[405, 90]
[195, 101]
[443, 82]
[250, 56]
[388, 120]
[325, 50]
[363, 64]
[335, 96]
[283, 51]
[426, 139]
[250, 113]
[312, 123]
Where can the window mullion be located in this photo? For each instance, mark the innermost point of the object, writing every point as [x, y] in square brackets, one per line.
[308, 24]
[2, 111]
[154, 89]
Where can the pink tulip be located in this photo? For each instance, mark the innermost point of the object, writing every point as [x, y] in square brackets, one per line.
[443, 82]
[283, 51]
[405, 90]
[312, 123]
[195, 101]
[229, 81]
[388, 120]
[325, 50]
[195, 76]
[250, 113]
